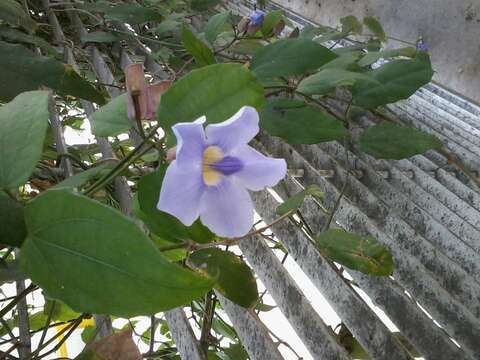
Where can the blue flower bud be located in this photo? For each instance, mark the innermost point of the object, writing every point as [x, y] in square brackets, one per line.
[256, 18]
[421, 45]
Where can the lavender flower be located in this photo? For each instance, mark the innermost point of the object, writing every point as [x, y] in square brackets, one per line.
[256, 18]
[213, 170]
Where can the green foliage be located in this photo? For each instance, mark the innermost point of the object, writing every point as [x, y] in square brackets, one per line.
[164, 225]
[23, 125]
[216, 91]
[22, 71]
[13, 230]
[101, 37]
[203, 5]
[215, 25]
[202, 54]
[112, 118]
[295, 202]
[13, 13]
[272, 18]
[79, 240]
[391, 141]
[132, 14]
[395, 81]
[290, 57]
[14, 35]
[233, 278]
[80, 179]
[299, 123]
[327, 80]
[350, 24]
[373, 56]
[375, 27]
[363, 254]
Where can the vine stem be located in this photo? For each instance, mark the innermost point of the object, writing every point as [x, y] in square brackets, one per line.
[194, 246]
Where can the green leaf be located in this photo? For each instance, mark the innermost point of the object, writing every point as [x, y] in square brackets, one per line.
[82, 178]
[327, 80]
[264, 307]
[23, 125]
[164, 225]
[234, 279]
[374, 56]
[346, 61]
[172, 255]
[13, 13]
[132, 14]
[87, 334]
[59, 311]
[364, 254]
[375, 27]
[299, 123]
[271, 19]
[295, 202]
[350, 24]
[22, 70]
[165, 26]
[112, 118]
[100, 37]
[216, 25]
[391, 141]
[236, 352]
[395, 80]
[224, 329]
[203, 5]
[14, 35]
[290, 57]
[81, 252]
[12, 230]
[216, 91]
[202, 53]
[247, 46]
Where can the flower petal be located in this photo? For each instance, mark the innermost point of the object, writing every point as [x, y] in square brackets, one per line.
[259, 171]
[238, 130]
[181, 192]
[227, 209]
[191, 143]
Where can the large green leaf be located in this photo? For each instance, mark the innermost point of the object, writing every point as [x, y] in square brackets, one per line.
[364, 254]
[166, 226]
[299, 123]
[290, 57]
[202, 54]
[234, 279]
[216, 91]
[391, 141]
[12, 228]
[396, 80]
[295, 202]
[13, 13]
[112, 118]
[216, 25]
[132, 14]
[96, 260]
[327, 80]
[23, 125]
[22, 70]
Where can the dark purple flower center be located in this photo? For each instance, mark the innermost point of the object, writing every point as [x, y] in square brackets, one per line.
[228, 165]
